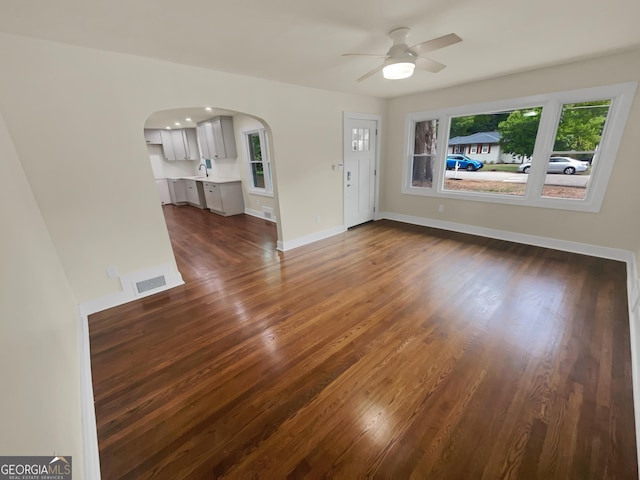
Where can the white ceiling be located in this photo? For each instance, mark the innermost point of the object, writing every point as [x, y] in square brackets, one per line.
[301, 41]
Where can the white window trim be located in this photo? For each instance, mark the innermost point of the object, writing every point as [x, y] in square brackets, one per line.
[621, 96]
[264, 146]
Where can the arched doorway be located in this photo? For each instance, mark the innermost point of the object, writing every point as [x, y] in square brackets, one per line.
[219, 162]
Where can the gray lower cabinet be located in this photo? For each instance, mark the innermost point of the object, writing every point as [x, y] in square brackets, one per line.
[178, 191]
[224, 198]
[164, 191]
[195, 193]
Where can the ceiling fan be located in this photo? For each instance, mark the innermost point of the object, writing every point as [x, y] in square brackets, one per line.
[400, 61]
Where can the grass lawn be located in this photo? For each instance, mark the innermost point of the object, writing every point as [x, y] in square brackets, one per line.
[500, 167]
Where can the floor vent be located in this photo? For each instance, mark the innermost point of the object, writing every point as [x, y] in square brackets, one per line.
[151, 284]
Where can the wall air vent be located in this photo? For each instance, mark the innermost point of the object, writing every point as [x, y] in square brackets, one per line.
[267, 212]
[150, 284]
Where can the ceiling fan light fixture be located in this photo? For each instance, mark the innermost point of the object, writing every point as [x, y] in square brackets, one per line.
[398, 70]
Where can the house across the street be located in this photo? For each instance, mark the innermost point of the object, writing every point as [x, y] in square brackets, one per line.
[484, 147]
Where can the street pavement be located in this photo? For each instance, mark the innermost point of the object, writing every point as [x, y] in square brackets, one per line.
[552, 178]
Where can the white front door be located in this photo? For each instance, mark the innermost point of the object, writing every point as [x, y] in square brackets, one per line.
[359, 170]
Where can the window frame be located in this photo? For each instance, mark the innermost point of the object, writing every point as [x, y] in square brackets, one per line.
[621, 96]
[267, 191]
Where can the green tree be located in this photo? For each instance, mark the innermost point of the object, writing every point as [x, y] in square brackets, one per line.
[580, 129]
[581, 126]
[518, 133]
[470, 124]
[461, 126]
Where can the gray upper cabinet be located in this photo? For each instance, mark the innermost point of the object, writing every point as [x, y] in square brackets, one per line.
[204, 141]
[217, 139]
[180, 144]
[152, 136]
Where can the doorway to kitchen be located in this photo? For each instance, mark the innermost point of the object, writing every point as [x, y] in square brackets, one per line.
[205, 170]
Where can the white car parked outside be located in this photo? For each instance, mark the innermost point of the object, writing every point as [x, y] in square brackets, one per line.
[565, 165]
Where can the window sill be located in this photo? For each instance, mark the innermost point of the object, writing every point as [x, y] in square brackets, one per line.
[539, 202]
[260, 192]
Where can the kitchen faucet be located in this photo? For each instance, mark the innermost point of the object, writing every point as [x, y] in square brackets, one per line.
[205, 168]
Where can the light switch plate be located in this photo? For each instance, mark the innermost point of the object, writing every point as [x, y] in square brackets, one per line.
[112, 271]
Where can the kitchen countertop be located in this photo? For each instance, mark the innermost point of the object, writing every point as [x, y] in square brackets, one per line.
[210, 178]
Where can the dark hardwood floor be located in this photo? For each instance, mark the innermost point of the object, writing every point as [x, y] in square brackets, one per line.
[390, 351]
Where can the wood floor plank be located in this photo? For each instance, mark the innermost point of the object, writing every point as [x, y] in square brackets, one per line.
[389, 351]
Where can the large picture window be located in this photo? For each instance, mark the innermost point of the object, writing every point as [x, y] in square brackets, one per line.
[553, 150]
[496, 129]
[258, 162]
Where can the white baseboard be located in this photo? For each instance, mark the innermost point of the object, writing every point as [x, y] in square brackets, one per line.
[546, 242]
[633, 294]
[90, 451]
[129, 293]
[314, 237]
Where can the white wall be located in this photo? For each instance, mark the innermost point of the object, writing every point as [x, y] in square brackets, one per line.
[615, 226]
[169, 168]
[225, 167]
[101, 208]
[40, 400]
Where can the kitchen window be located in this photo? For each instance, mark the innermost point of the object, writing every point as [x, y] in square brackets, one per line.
[259, 165]
[555, 150]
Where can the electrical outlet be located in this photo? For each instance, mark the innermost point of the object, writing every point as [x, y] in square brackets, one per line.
[318, 219]
[440, 208]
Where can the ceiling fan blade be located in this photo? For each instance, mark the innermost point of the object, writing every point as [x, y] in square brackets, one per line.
[436, 43]
[370, 73]
[429, 65]
[380, 55]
